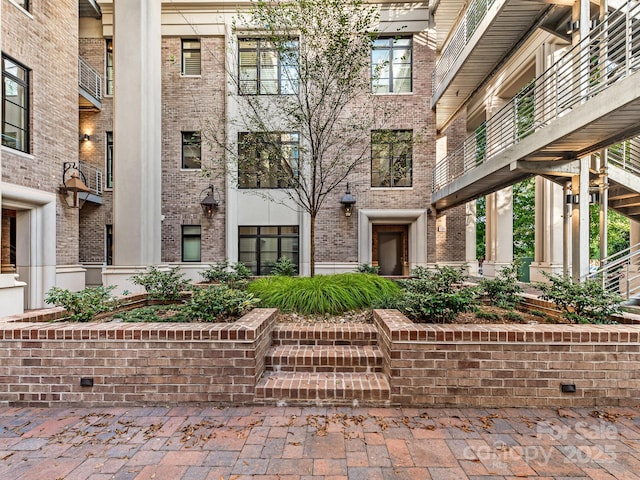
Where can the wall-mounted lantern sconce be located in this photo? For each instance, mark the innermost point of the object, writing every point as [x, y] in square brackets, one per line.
[573, 27]
[85, 138]
[594, 197]
[348, 201]
[209, 201]
[73, 185]
[572, 199]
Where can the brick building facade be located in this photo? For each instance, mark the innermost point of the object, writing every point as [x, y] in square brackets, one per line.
[49, 41]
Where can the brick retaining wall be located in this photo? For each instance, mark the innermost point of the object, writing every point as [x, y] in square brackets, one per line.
[509, 365]
[41, 363]
[133, 363]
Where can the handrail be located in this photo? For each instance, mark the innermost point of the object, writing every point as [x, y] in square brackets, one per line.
[468, 25]
[610, 53]
[620, 272]
[89, 79]
[92, 176]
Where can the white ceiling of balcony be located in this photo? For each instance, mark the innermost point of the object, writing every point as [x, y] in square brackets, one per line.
[492, 41]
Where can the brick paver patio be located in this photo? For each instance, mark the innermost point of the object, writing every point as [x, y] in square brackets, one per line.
[287, 443]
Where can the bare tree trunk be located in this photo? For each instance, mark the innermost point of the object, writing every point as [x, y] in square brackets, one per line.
[312, 245]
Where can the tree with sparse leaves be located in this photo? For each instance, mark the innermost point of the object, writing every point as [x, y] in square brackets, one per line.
[306, 131]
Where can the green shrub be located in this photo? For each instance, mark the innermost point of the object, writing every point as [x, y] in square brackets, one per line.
[235, 275]
[322, 294]
[537, 313]
[491, 316]
[513, 316]
[581, 302]
[284, 267]
[83, 305]
[153, 313]
[215, 303]
[162, 284]
[504, 290]
[437, 294]
[366, 268]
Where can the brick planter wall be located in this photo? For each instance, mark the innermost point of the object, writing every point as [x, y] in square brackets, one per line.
[509, 365]
[41, 364]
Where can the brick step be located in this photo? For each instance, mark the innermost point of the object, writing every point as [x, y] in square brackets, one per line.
[324, 358]
[303, 388]
[325, 334]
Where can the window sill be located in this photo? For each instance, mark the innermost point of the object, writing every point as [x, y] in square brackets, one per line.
[197, 170]
[182, 75]
[18, 153]
[26, 12]
[392, 94]
[389, 189]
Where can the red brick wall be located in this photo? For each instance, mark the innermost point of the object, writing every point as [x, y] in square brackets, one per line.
[46, 42]
[134, 363]
[509, 365]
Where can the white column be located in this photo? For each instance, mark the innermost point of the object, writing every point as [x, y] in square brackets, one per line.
[470, 239]
[499, 237]
[137, 139]
[580, 222]
[549, 213]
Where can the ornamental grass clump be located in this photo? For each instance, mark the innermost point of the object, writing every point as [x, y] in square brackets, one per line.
[322, 294]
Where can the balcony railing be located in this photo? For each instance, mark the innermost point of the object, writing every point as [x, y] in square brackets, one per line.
[468, 25]
[626, 155]
[92, 177]
[610, 53]
[89, 80]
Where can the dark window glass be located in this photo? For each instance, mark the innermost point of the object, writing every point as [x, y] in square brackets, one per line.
[391, 60]
[267, 160]
[261, 247]
[391, 152]
[109, 244]
[191, 150]
[191, 243]
[109, 160]
[15, 105]
[109, 67]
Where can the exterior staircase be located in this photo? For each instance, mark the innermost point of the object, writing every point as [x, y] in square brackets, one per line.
[324, 364]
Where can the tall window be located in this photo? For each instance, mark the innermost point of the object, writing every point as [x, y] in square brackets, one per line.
[391, 152]
[261, 247]
[191, 57]
[109, 67]
[191, 243]
[15, 105]
[191, 150]
[109, 244]
[23, 3]
[267, 69]
[109, 160]
[267, 160]
[391, 65]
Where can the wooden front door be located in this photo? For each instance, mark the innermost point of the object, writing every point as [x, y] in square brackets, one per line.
[389, 249]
